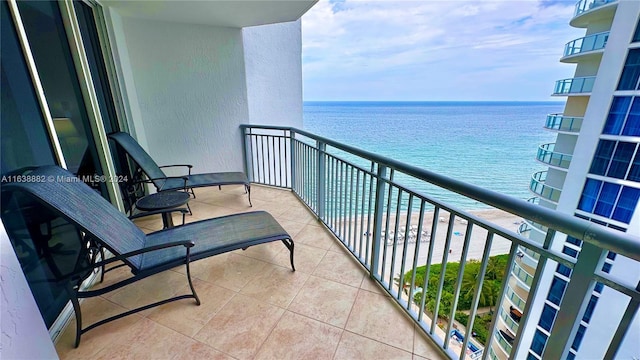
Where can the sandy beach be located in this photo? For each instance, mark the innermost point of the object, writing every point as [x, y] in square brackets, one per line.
[460, 228]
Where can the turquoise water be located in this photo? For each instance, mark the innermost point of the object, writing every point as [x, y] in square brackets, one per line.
[489, 144]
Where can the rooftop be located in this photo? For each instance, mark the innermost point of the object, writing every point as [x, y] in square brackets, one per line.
[253, 305]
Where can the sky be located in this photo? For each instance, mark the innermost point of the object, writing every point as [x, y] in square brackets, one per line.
[446, 50]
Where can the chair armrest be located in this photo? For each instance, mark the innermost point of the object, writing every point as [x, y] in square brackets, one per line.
[150, 181]
[186, 243]
[178, 165]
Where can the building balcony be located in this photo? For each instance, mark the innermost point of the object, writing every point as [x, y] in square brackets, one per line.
[574, 86]
[588, 45]
[585, 10]
[359, 237]
[253, 306]
[564, 124]
[548, 156]
[538, 187]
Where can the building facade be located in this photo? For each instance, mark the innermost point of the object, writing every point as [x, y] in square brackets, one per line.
[593, 172]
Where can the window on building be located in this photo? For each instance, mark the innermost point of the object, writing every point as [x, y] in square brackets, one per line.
[631, 71]
[607, 267]
[626, 204]
[530, 356]
[569, 251]
[564, 270]
[611, 255]
[557, 290]
[617, 113]
[607, 199]
[602, 157]
[599, 287]
[539, 341]
[632, 125]
[621, 160]
[571, 356]
[578, 339]
[589, 195]
[634, 171]
[590, 307]
[547, 317]
[574, 241]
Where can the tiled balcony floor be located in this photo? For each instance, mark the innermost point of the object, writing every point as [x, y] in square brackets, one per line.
[253, 305]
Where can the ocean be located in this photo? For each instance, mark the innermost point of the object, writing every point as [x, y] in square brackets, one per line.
[488, 144]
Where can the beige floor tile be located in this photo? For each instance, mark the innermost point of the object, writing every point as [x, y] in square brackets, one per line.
[299, 214]
[275, 285]
[141, 342]
[197, 350]
[185, 316]
[229, 270]
[376, 317]
[424, 347]
[240, 327]
[298, 337]
[93, 341]
[154, 288]
[372, 286]
[274, 208]
[202, 211]
[305, 258]
[316, 236]
[293, 228]
[353, 346]
[325, 300]
[341, 268]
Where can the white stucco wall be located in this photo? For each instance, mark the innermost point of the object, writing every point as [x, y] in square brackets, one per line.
[273, 62]
[24, 334]
[190, 88]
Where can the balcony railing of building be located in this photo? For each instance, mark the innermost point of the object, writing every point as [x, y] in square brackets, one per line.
[559, 122]
[522, 274]
[587, 5]
[547, 155]
[585, 44]
[502, 341]
[511, 324]
[539, 187]
[578, 85]
[363, 199]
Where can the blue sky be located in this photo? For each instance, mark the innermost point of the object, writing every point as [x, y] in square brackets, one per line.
[435, 50]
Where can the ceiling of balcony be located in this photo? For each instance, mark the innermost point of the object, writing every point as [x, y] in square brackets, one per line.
[212, 12]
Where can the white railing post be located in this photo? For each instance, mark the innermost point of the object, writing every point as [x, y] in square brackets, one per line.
[292, 147]
[574, 302]
[320, 193]
[376, 246]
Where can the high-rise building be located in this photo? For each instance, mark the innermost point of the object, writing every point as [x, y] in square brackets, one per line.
[593, 172]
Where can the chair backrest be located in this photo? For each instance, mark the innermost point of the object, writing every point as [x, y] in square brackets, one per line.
[140, 157]
[64, 193]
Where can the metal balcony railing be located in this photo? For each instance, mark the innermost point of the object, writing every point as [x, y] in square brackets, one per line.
[560, 122]
[587, 5]
[547, 155]
[361, 198]
[578, 85]
[537, 186]
[587, 43]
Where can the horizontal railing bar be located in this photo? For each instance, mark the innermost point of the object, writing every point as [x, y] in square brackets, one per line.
[621, 243]
[623, 288]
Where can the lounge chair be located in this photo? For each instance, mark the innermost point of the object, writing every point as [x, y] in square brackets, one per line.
[162, 182]
[103, 226]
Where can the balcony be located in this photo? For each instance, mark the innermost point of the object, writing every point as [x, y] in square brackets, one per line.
[547, 155]
[565, 124]
[253, 305]
[574, 86]
[581, 47]
[585, 10]
[356, 268]
[538, 187]
[362, 199]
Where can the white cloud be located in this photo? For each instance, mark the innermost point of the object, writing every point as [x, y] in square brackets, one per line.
[431, 50]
